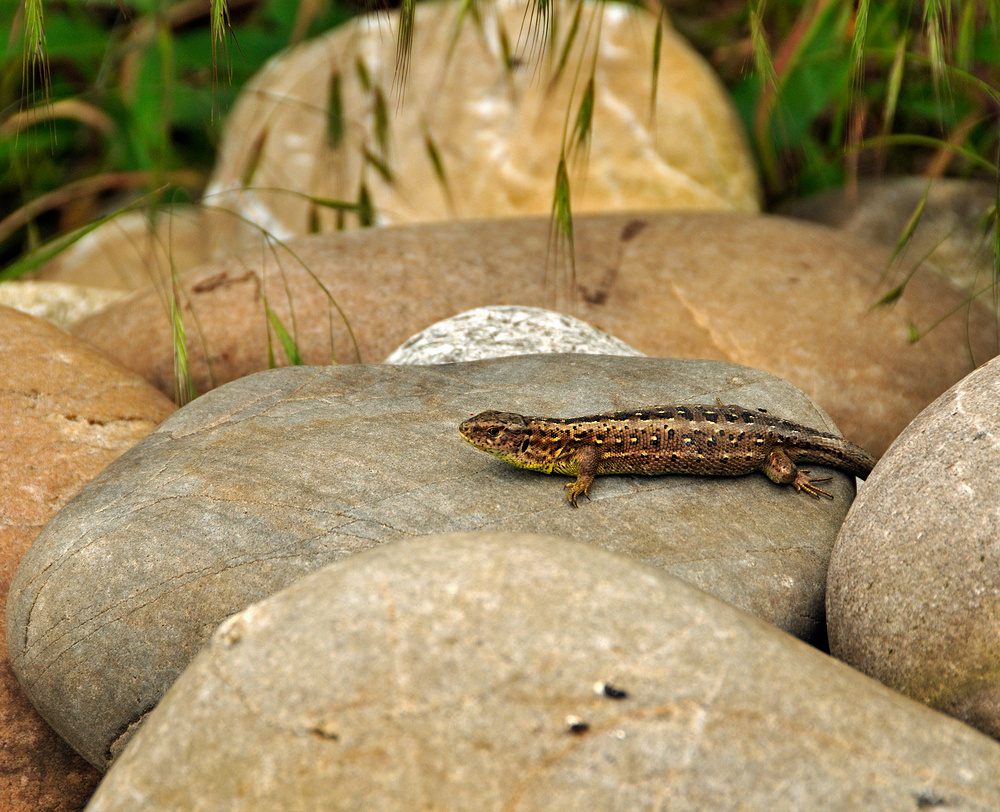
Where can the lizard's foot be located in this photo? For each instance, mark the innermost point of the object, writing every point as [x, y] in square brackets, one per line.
[575, 489]
[803, 482]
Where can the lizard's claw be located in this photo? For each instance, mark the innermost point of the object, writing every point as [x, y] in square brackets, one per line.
[803, 482]
[574, 492]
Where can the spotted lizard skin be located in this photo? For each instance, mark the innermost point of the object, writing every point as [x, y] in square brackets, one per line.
[684, 439]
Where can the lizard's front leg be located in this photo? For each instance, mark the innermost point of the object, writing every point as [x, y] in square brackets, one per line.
[588, 457]
[780, 469]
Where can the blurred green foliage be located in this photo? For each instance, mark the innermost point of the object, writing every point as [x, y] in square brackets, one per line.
[135, 91]
[847, 73]
[139, 102]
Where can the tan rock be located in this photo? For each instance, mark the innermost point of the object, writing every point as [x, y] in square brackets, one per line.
[129, 252]
[791, 298]
[497, 132]
[65, 413]
[949, 233]
[913, 596]
[61, 303]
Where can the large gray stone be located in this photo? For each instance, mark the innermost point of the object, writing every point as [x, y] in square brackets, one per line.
[914, 586]
[278, 474]
[469, 672]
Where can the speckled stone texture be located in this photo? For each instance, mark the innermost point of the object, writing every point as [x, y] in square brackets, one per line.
[65, 413]
[914, 585]
[776, 294]
[276, 475]
[471, 672]
[502, 330]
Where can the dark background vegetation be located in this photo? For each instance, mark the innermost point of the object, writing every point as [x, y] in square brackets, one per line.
[121, 98]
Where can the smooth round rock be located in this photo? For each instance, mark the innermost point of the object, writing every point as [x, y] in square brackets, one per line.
[498, 331]
[276, 475]
[767, 292]
[949, 233]
[473, 135]
[65, 413]
[518, 672]
[914, 587]
[135, 249]
[61, 303]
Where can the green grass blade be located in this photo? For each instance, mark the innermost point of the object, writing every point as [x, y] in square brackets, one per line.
[288, 344]
[763, 62]
[974, 81]
[574, 29]
[35, 60]
[561, 233]
[995, 223]
[924, 141]
[890, 297]
[334, 113]
[541, 26]
[333, 203]
[582, 127]
[380, 112]
[859, 42]
[895, 84]
[29, 262]
[364, 76]
[562, 213]
[911, 225]
[184, 390]
[379, 166]
[467, 9]
[937, 27]
[654, 79]
[506, 52]
[764, 66]
[219, 25]
[404, 45]
[253, 159]
[437, 163]
[364, 207]
[966, 37]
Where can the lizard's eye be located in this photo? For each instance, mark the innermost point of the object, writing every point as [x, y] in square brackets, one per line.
[494, 431]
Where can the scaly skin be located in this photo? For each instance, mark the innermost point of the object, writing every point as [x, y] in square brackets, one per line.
[686, 439]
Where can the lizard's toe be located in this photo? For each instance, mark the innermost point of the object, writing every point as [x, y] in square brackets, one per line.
[803, 482]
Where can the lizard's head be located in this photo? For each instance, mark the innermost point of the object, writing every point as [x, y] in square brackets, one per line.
[504, 434]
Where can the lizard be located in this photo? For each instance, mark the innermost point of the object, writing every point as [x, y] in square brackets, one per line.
[724, 440]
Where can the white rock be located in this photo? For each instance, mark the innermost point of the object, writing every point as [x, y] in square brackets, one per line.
[502, 330]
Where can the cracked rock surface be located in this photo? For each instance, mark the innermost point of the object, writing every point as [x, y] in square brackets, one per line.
[914, 588]
[276, 475]
[489, 671]
[789, 297]
[66, 411]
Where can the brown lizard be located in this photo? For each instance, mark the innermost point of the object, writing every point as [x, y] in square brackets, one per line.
[687, 439]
